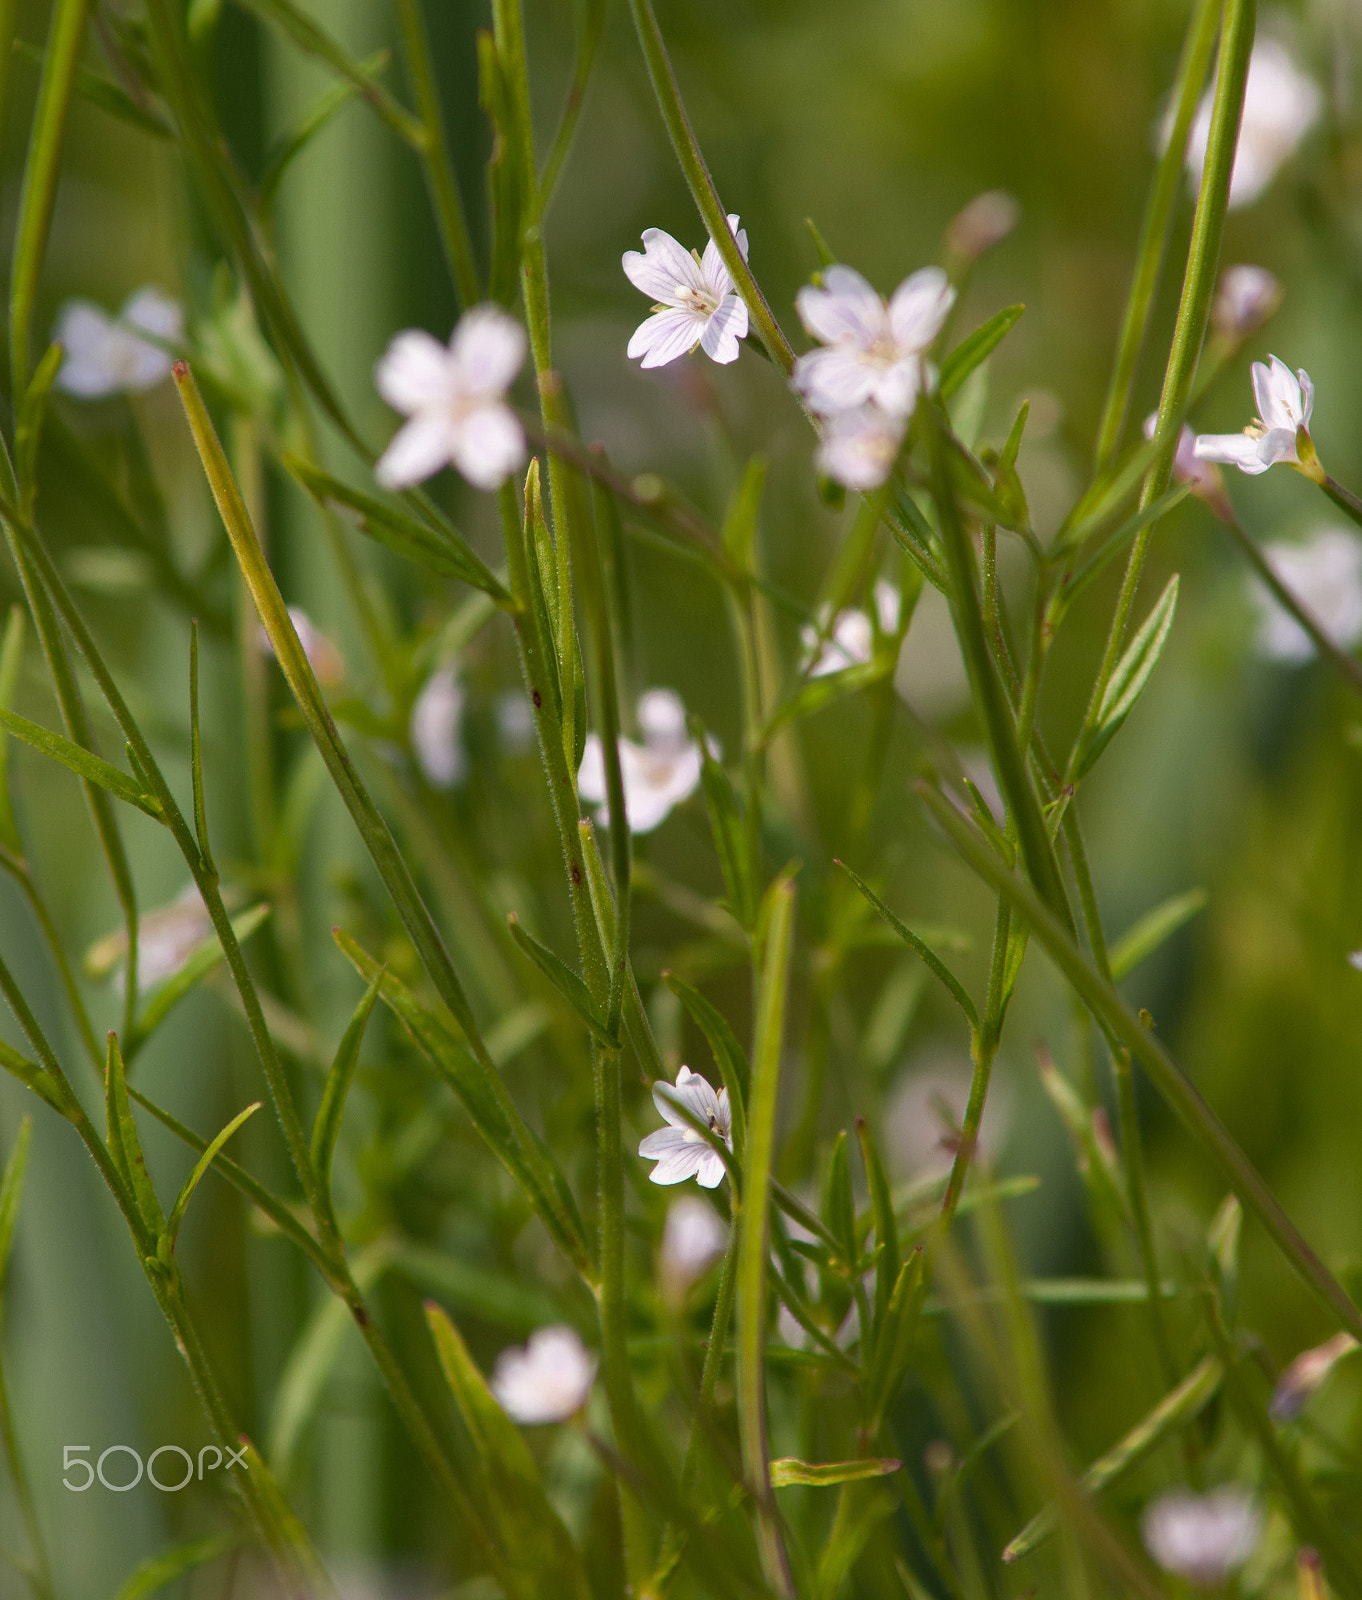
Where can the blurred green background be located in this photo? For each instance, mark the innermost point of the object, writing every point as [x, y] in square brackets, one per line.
[879, 119]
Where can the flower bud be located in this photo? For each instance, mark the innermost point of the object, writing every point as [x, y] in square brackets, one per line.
[1203, 476]
[984, 222]
[1306, 1373]
[1246, 298]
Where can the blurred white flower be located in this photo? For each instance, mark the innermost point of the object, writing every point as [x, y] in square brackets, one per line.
[1281, 105]
[850, 643]
[326, 661]
[515, 720]
[986, 220]
[1285, 402]
[681, 1150]
[546, 1380]
[696, 303]
[1306, 1373]
[658, 774]
[1202, 1538]
[455, 396]
[859, 447]
[436, 721]
[104, 355]
[1246, 297]
[693, 1238]
[166, 938]
[1325, 575]
[874, 353]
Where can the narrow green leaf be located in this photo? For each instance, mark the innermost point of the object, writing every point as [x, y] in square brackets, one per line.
[12, 1189]
[1115, 542]
[894, 1348]
[729, 1055]
[1175, 1410]
[149, 1577]
[439, 547]
[839, 1205]
[1129, 679]
[326, 1129]
[200, 1167]
[1140, 942]
[744, 510]
[11, 660]
[296, 25]
[564, 980]
[125, 1145]
[105, 94]
[976, 348]
[933, 962]
[787, 1470]
[887, 1259]
[817, 693]
[32, 1076]
[507, 189]
[283, 152]
[527, 1526]
[270, 1206]
[84, 763]
[28, 424]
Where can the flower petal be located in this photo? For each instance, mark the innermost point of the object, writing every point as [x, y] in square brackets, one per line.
[663, 1142]
[661, 267]
[152, 310]
[488, 445]
[839, 378]
[417, 452]
[413, 372]
[591, 773]
[724, 328]
[486, 350]
[665, 336]
[1278, 393]
[843, 310]
[1235, 449]
[1307, 396]
[690, 1090]
[919, 307]
[84, 330]
[897, 388]
[859, 447]
[716, 273]
[711, 1170]
[679, 1164]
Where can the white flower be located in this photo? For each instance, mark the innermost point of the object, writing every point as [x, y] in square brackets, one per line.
[1246, 298]
[696, 303]
[874, 352]
[1284, 406]
[455, 397]
[104, 354]
[1281, 105]
[515, 720]
[658, 774]
[326, 661]
[1202, 1538]
[851, 639]
[888, 605]
[681, 1150]
[436, 718]
[693, 1239]
[547, 1380]
[1306, 1373]
[859, 447]
[166, 938]
[1325, 575]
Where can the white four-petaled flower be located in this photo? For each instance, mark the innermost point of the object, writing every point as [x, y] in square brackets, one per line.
[658, 774]
[1281, 105]
[1285, 401]
[436, 720]
[680, 1149]
[106, 355]
[1202, 1538]
[695, 302]
[546, 1380]
[874, 353]
[1325, 574]
[858, 448]
[455, 398]
[850, 642]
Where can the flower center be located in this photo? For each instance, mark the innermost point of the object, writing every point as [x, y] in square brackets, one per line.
[697, 301]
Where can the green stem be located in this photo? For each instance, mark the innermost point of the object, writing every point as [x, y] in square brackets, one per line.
[42, 1571]
[753, 1232]
[1198, 286]
[18, 869]
[1156, 227]
[39, 191]
[589, 32]
[701, 184]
